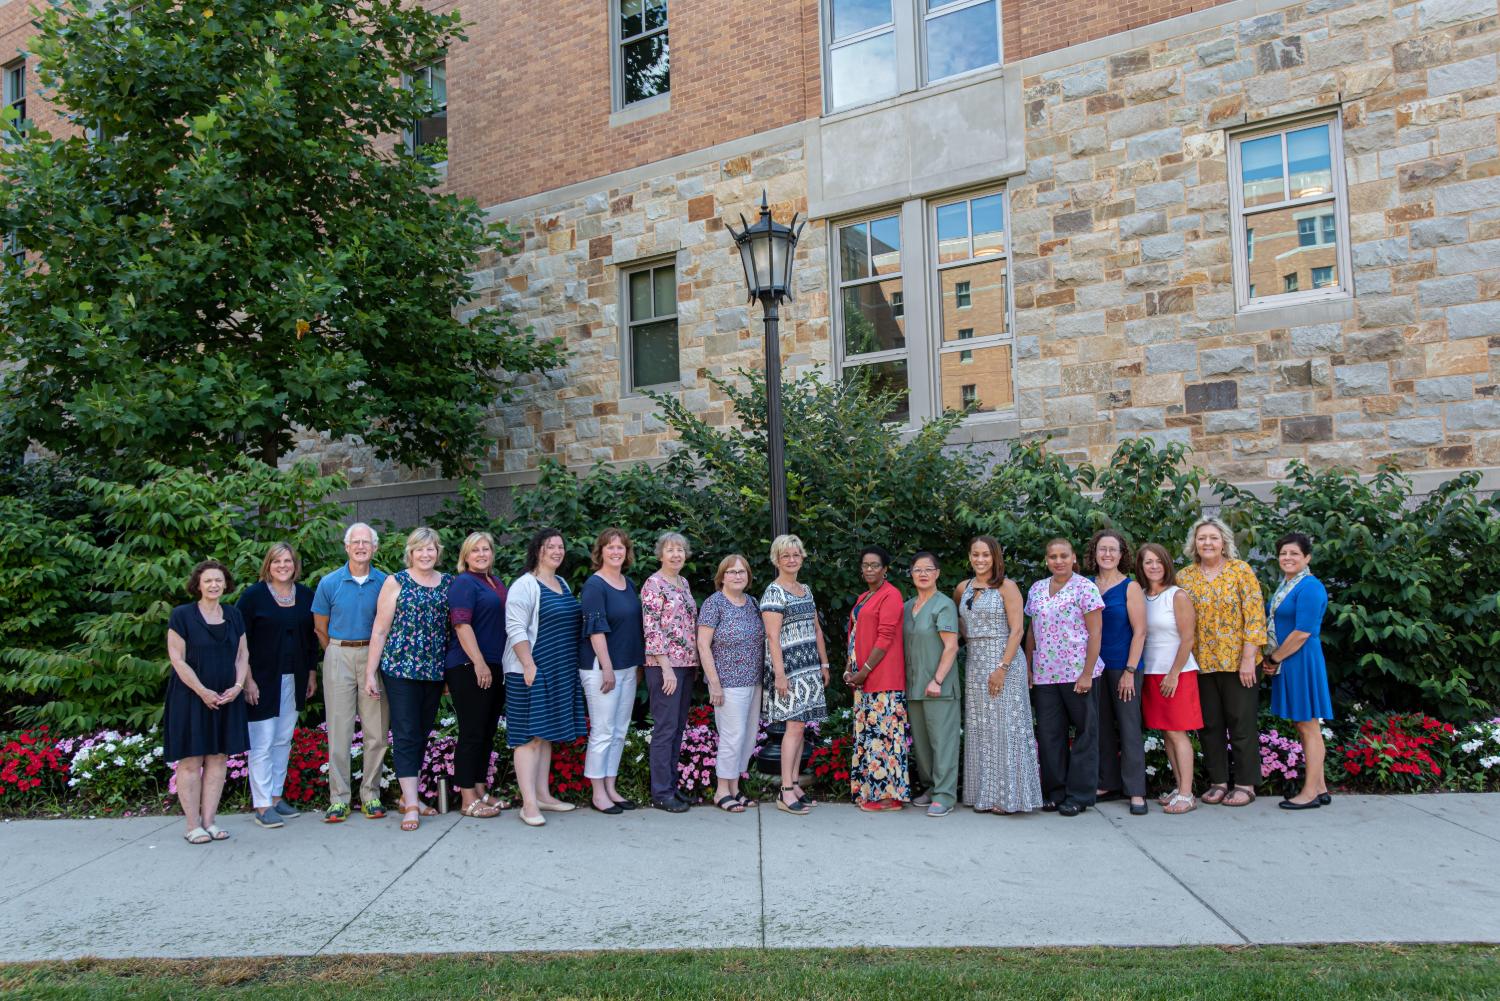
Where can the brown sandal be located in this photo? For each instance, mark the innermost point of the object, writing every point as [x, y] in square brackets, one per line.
[1245, 796]
[1214, 795]
[423, 810]
[411, 823]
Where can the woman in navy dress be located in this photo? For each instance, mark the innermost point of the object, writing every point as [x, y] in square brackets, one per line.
[1299, 682]
[205, 719]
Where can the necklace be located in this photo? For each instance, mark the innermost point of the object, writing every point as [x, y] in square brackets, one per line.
[286, 602]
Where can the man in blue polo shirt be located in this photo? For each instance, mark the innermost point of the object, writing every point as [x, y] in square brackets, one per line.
[343, 615]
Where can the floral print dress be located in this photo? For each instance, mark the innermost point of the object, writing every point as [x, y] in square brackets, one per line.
[417, 647]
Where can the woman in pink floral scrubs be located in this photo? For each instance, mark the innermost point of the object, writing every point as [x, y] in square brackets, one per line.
[671, 619]
[1062, 647]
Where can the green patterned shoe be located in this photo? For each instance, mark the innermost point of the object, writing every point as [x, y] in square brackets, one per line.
[336, 814]
[372, 810]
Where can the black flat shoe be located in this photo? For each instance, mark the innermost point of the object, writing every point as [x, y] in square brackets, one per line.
[1324, 799]
[1139, 809]
[626, 804]
[1287, 804]
[613, 811]
[1070, 809]
[1049, 807]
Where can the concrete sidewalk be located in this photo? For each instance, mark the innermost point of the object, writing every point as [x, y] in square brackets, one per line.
[1369, 868]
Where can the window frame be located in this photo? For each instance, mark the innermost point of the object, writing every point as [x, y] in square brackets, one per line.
[842, 360]
[909, 27]
[14, 75]
[424, 72]
[617, 43]
[1240, 215]
[628, 323]
[966, 346]
[927, 15]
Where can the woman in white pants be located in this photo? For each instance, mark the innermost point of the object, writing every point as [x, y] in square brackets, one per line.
[731, 647]
[283, 652]
[608, 664]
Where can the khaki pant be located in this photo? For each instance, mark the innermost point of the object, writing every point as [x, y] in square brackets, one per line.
[343, 693]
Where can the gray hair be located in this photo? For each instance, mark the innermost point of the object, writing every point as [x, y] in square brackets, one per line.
[1190, 548]
[374, 535]
[672, 538]
[420, 537]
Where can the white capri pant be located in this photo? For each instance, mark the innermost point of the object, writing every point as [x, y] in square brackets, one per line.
[271, 747]
[609, 720]
[737, 721]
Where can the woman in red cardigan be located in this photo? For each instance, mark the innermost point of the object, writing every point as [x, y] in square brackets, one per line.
[877, 673]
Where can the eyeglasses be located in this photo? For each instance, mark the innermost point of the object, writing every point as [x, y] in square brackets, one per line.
[872, 566]
[737, 570]
[923, 570]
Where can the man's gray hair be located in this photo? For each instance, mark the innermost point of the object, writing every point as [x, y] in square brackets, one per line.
[374, 535]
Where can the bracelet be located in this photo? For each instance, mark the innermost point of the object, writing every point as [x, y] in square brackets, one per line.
[1132, 670]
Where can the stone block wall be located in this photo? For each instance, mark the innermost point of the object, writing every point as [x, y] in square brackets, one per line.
[1125, 307]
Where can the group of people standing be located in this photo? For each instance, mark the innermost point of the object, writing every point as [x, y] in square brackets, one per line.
[1050, 717]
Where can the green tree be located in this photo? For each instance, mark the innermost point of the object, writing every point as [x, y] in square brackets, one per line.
[240, 245]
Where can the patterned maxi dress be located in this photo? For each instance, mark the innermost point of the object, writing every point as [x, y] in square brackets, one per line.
[1000, 765]
[805, 701]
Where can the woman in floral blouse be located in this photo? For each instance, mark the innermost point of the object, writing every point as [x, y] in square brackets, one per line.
[671, 621]
[1231, 629]
[1062, 646]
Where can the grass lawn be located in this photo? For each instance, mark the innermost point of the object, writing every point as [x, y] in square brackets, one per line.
[1240, 974]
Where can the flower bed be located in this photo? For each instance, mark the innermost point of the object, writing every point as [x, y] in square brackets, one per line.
[117, 773]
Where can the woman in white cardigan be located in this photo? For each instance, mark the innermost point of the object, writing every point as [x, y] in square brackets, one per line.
[543, 698]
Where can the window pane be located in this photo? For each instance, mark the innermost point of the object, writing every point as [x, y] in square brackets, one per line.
[439, 84]
[885, 245]
[953, 232]
[1311, 167]
[655, 14]
[862, 72]
[854, 252]
[1260, 162]
[430, 129]
[871, 322]
[665, 280]
[640, 296]
[985, 369]
[989, 225]
[653, 354]
[886, 377]
[1290, 245]
[850, 17]
[961, 41]
[646, 69]
[630, 18]
[973, 299]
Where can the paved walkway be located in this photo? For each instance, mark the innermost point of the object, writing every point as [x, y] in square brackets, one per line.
[1396, 868]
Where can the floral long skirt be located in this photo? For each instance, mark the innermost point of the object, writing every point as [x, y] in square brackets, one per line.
[880, 739]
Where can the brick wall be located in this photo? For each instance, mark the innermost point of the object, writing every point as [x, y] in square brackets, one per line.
[529, 94]
[1035, 26]
[15, 28]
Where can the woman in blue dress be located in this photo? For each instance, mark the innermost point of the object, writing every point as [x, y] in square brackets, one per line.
[1299, 676]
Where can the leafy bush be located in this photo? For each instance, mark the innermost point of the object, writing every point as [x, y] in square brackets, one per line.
[103, 663]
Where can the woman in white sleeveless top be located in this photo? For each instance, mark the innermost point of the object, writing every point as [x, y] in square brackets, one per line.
[1169, 699]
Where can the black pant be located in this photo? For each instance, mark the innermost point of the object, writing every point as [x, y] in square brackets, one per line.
[1068, 773]
[1122, 749]
[478, 712]
[669, 715]
[414, 706]
[1229, 705]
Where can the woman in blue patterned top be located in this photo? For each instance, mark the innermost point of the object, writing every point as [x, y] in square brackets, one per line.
[796, 665]
[409, 648]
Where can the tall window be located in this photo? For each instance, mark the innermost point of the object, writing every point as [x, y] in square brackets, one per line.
[643, 65]
[973, 304]
[961, 36]
[879, 48]
[1288, 194]
[14, 85]
[651, 327]
[428, 137]
[14, 254]
[872, 334]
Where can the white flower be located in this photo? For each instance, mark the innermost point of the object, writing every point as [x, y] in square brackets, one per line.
[1488, 763]
[1327, 733]
[447, 721]
[119, 761]
[323, 768]
[1150, 769]
[1470, 746]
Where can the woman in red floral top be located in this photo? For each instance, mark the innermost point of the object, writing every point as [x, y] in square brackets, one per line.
[671, 620]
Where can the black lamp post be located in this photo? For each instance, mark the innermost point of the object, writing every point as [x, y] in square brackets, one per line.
[766, 250]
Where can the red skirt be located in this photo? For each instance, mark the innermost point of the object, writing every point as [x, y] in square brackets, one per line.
[1181, 712]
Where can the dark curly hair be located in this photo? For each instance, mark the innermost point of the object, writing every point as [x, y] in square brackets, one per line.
[534, 547]
[195, 591]
[1091, 564]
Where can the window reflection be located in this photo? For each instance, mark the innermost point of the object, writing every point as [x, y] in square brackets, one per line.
[1295, 248]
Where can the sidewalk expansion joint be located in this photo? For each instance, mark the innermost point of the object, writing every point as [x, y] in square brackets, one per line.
[386, 888]
[1447, 820]
[760, 868]
[120, 847]
[1174, 877]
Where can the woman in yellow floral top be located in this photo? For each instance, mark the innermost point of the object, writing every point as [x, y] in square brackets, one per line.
[1231, 629]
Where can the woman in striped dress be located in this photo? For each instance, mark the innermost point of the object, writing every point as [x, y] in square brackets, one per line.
[543, 696]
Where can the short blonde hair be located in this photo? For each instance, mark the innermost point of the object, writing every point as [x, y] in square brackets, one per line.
[473, 539]
[782, 543]
[420, 537]
[724, 566]
[1190, 548]
[277, 548]
[666, 539]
